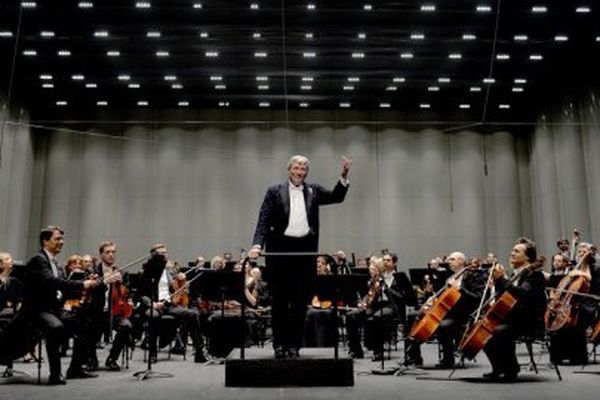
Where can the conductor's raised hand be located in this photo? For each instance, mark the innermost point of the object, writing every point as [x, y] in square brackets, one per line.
[346, 164]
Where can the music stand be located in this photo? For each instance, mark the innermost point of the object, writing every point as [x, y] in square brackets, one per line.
[220, 286]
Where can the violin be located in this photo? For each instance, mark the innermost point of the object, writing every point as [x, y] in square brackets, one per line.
[563, 308]
[320, 304]
[439, 305]
[121, 306]
[483, 329]
[181, 296]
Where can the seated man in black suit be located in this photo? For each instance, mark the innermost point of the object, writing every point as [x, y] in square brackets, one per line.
[45, 291]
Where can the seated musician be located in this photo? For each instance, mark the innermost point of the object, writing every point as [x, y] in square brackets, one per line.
[570, 343]
[45, 291]
[319, 325]
[383, 305]
[471, 285]
[157, 289]
[105, 314]
[10, 288]
[526, 318]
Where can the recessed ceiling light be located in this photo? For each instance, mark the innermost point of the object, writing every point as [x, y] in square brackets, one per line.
[367, 7]
[489, 81]
[362, 35]
[77, 77]
[142, 103]
[358, 55]
[455, 56]
[263, 87]
[264, 104]
[428, 8]
[212, 54]
[204, 35]
[399, 79]
[113, 53]
[197, 6]
[6, 34]
[177, 86]
[353, 79]
[162, 53]
[102, 103]
[309, 54]
[153, 34]
[464, 106]
[170, 78]
[536, 57]
[583, 10]
[47, 85]
[64, 53]
[424, 105]
[305, 87]
[344, 105]
[47, 34]
[216, 78]
[561, 38]
[502, 56]
[29, 53]
[61, 103]
[101, 34]
[46, 77]
[433, 89]
[384, 105]
[260, 54]
[417, 36]
[304, 105]
[133, 86]
[307, 79]
[348, 88]
[91, 85]
[256, 35]
[483, 8]
[475, 89]
[262, 78]
[444, 80]
[520, 38]
[220, 87]
[311, 6]
[504, 106]
[223, 104]
[406, 56]
[517, 89]
[183, 103]
[124, 77]
[391, 88]
[28, 4]
[520, 81]
[143, 4]
[539, 9]
[597, 38]
[469, 36]
[85, 4]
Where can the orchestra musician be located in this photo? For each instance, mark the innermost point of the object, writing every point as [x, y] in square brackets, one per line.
[157, 290]
[45, 291]
[526, 318]
[320, 323]
[288, 222]
[569, 342]
[103, 308]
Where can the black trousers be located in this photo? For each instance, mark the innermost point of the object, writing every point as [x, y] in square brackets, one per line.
[291, 279]
[320, 328]
[189, 317]
[501, 350]
[376, 324]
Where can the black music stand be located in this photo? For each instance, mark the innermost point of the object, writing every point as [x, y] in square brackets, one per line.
[154, 262]
[220, 286]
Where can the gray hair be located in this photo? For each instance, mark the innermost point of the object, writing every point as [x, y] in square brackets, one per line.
[298, 159]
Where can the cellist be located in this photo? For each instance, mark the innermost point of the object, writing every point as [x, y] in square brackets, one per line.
[471, 285]
[570, 343]
[526, 318]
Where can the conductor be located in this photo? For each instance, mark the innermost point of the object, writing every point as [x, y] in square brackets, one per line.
[288, 222]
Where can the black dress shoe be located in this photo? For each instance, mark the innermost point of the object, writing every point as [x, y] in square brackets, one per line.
[377, 357]
[80, 374]
[356, 355]
[413, 361]
[293, 353]
[178, 350]
[200, 356]
[492, 375]
[111, 365]
[57, 380]
[280, 353]
[445, 364]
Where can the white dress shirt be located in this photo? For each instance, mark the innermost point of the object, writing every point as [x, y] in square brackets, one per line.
[298, 222]
[163, 287]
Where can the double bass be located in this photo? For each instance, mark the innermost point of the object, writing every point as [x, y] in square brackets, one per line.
[440, 304]
[477, 336]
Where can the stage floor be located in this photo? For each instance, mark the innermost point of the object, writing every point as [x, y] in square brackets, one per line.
[195, 381]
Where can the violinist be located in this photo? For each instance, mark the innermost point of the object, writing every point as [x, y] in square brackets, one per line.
[320, 324]
[471, 285]
[569, 342]
[526, 318]
[108, 301]
[45, 290]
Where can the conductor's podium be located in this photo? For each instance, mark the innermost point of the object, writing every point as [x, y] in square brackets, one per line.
[315, 367]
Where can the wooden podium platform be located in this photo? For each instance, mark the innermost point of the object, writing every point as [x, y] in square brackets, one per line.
[315, 367]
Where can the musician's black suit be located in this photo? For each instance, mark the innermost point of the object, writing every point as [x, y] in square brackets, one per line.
[291, 278]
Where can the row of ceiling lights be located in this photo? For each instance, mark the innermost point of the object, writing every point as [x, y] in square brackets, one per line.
[311, 6]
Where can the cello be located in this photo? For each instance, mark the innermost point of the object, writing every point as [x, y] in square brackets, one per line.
[483, 329]
[441, 303]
